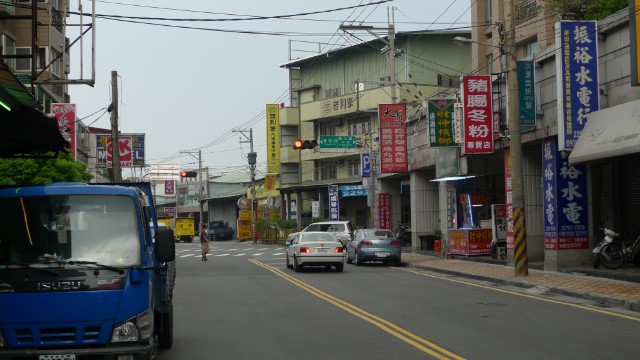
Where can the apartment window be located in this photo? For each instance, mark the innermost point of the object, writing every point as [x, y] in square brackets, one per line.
[359, 126]
[326, 170]
[56, 66]
[530, 48]
[24, 64]
[327, 128]
[288, 135]
[448, 80]
[329, 93]
[353, 167]
[488, 11]
[9, 48]
[489, 60]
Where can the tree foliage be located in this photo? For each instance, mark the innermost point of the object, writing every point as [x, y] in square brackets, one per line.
[39, 170]
[584, 10]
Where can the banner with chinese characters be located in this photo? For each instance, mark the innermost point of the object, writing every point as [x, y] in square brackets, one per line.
[393, 138]
[353, 190]
[566, 220]
[169, 187]
[66, 117]
[334, 203]
[383, 216]
[273, 138]
[441, 124]
[477, 114]
[577, 78]
[508, 190]
[270, 182]
[526, 94]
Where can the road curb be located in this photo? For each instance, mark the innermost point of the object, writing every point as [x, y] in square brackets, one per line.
[604, 300]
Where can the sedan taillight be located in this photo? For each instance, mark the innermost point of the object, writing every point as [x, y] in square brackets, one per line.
[339, 249]
[366, 243]
[395, 243]
[305, 250]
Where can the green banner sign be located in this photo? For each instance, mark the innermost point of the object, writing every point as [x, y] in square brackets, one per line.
[441, 124]
[333, 143]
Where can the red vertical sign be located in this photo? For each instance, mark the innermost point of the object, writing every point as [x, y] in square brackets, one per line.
[169, 188]
[384, 211]
[66, 117]
[477, 114]
[393, 138]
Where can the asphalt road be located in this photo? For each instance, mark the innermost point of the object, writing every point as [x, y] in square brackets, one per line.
[245, 304]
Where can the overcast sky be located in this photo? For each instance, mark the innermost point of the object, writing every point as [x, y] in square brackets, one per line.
[189, 84]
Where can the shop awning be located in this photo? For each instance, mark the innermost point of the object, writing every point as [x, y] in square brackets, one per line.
[25, 129]
[608, 133]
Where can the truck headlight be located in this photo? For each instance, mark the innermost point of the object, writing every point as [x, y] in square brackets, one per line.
[137, 328]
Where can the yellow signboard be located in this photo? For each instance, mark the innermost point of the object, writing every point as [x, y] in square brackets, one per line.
[244, 229]
[273, 138]
[245, 215]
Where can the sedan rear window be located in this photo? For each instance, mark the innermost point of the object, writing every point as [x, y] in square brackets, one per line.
[378, 234]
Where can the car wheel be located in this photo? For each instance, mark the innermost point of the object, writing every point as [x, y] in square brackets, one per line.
[339, 267]
[289, 266]
[358, 261]
[397, 262]
[296, 266]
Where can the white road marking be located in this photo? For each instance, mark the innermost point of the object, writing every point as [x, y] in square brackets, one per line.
[257, 254]
[238, 255]
[221, 255]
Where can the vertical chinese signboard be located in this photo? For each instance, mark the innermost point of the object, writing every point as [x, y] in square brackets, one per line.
[393, 138]
[508, 189]
[441, 124]
[477, 114]
[66, 117]
[334, 203]
[566, 221]
[526, 94]
[383, 218]
[273, 139]
[169, 187]
[577, 74]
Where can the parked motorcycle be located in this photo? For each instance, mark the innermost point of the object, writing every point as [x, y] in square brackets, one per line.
[612, 253]
[404, 234]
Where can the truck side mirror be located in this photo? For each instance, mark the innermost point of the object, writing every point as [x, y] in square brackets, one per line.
[165, 245]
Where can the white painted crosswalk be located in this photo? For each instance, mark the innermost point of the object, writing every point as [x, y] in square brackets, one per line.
[193, 251]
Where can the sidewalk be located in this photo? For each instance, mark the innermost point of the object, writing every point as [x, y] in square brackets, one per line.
[577, 284]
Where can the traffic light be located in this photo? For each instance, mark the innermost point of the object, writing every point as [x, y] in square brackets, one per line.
[304, 144]
[189, 174]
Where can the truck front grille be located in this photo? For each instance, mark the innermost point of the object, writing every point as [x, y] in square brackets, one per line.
[57, 336]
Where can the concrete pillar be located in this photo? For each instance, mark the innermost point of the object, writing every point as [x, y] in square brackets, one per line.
[424, 207]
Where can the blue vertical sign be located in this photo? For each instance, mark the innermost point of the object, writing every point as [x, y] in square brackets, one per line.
[365, 161]
[566, 221]
[334, 203]
[577, 78]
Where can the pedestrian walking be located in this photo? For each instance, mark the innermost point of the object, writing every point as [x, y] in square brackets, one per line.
[204, 242]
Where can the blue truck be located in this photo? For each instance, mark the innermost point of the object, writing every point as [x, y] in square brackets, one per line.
[85, 273]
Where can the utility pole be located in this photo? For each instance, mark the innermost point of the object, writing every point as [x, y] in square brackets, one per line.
[515, 146]
[252, 167]
[115, 146]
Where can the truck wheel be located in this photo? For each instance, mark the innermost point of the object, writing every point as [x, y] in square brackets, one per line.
[164, 328]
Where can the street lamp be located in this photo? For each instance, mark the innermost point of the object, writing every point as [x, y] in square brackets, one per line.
[462, 41]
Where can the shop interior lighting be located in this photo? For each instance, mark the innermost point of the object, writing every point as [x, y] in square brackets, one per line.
[4, 105]
[454, 178]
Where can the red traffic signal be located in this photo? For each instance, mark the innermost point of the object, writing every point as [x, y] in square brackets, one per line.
[189, 174]
[304, 144]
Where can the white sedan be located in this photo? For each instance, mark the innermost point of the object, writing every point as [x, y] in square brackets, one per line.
[315, 249]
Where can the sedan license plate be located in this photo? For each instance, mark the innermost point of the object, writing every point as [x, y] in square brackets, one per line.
[321, 250]
[382, 254]
[58, 357]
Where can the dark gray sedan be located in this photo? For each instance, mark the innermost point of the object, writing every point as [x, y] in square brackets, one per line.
[374, 245]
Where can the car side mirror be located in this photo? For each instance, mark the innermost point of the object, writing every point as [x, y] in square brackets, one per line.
[287, 242]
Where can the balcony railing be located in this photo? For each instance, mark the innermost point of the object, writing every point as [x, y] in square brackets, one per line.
[525, 10]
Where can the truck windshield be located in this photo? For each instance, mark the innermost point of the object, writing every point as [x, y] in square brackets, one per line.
[47, 230]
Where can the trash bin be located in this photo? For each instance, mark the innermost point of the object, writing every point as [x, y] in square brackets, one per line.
[437, 245]
[426, 242]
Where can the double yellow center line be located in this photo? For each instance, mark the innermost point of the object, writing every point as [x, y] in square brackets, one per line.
[387, 326]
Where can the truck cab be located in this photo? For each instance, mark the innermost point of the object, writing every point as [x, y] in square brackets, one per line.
[85, 271]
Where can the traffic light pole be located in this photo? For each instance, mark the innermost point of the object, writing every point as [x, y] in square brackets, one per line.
[200, 184]
[252, 167]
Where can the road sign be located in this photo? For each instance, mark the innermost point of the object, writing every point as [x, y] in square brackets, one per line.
[334, 143]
